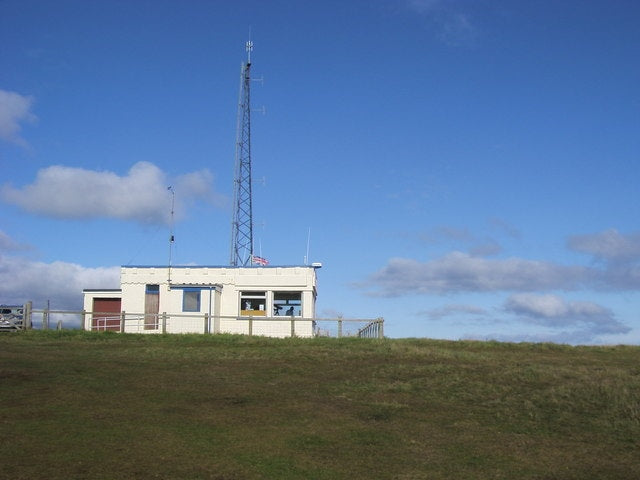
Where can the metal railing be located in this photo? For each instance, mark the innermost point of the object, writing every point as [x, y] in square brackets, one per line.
[374, 329]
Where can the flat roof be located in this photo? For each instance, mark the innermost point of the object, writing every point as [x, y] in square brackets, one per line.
[101, 289]
[230, 267]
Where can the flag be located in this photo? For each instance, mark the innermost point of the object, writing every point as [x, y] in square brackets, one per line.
[259, 260]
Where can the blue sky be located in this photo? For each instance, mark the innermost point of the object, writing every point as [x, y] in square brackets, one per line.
[466, 169]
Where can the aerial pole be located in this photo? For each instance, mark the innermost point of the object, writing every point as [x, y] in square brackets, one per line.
[171, 225]
[242, 223]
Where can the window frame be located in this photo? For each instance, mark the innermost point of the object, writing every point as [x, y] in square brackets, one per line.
[256, 299]
[290, 302]
[198, 299]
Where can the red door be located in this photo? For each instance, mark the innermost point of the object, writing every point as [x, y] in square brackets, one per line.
[106, 314]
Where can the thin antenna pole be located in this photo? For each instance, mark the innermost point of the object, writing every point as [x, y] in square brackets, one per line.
[171, 237]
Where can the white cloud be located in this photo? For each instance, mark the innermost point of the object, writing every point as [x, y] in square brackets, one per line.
[589, 318]
[14, 110]
[458, 29]
[8, 244]
[609, 245]
[454, 310]
[23, 280]
[460, 272]
[141, 195]
[505, 227]
[452, 25]
[552, 307]
[618, 256]
[463, 239]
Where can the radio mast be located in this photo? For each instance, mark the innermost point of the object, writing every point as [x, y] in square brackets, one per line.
[242, 223]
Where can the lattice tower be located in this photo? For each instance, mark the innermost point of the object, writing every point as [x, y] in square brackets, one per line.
[242, 224]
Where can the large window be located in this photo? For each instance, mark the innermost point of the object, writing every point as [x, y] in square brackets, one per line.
[253, 303]
[287, 303]
[191, 300]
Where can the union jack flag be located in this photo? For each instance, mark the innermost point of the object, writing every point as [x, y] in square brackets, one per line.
[259, 260]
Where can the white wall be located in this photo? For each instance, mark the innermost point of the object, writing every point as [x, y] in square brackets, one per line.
[229, 282]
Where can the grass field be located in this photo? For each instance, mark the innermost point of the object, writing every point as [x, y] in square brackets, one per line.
[77, 405]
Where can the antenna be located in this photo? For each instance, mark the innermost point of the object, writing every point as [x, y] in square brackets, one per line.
[242, 223]
[249, 48]
[306, 258]
[171, 237]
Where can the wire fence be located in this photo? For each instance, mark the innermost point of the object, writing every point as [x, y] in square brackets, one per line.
[200, 323]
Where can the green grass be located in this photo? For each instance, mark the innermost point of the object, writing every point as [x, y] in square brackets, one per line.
[77, 405]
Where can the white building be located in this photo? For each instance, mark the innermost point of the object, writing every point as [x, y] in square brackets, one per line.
[270, 301]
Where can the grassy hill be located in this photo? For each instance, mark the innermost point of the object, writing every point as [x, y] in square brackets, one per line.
[77, 405]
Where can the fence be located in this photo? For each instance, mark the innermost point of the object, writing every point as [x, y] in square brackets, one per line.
[203, 323]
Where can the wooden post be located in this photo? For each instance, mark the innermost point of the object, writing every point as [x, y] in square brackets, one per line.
[122, 317]
[26, 315]
[380, 327]
[206, 323]
[250, 326]
[339, 327]
[164, 322]
[293, 327]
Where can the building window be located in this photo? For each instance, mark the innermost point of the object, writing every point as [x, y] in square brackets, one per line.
[151, 307]
[253, 303]
[287, 303]
[191, 300]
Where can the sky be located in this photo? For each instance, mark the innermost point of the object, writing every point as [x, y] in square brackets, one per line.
[465, 169]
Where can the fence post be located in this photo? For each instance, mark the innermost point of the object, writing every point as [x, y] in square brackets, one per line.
[293, 327]
[45, 319]
[122, 317]
[164, 322]
[380, 327]
[206, 323]
[339, 327]
[59, 325]
[250, 326]
[26, 315]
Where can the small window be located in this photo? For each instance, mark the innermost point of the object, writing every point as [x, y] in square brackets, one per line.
[253, 303]
[191, 300]
[287, 303]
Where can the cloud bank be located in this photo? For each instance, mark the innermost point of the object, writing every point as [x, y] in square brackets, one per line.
[15, 109]
[554, 311]
[62, 283]
[454, 310]
[615, 266]
[609, 246]
[612, 265]
[23, 279]
[141, 196]
[459, 272]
